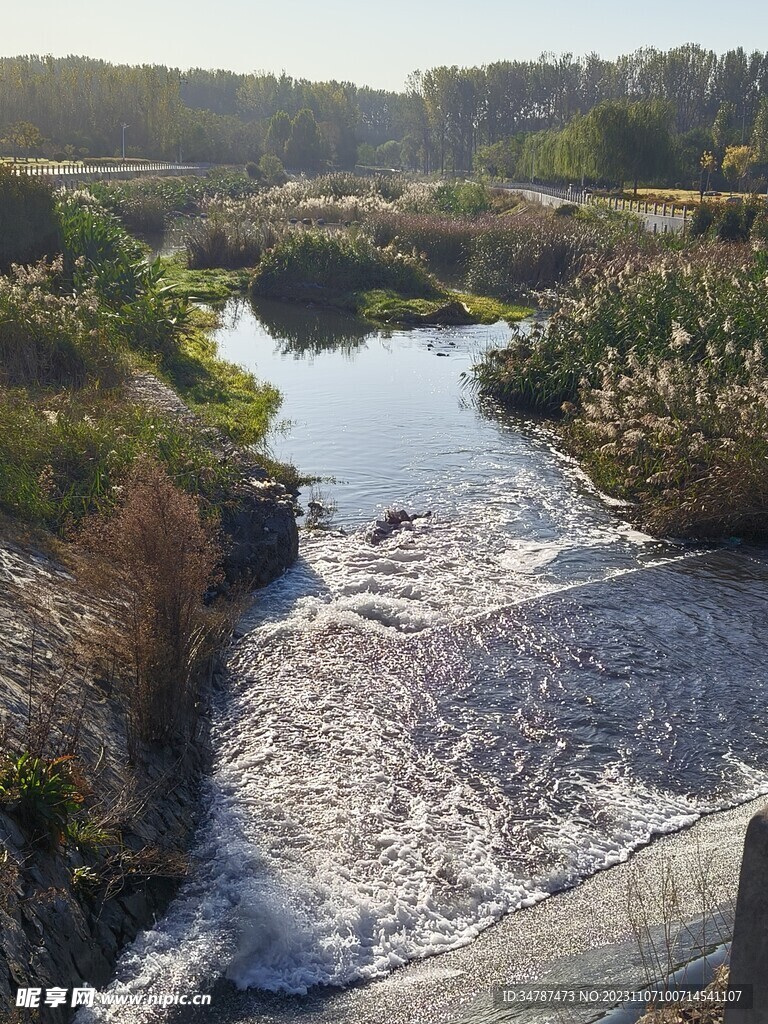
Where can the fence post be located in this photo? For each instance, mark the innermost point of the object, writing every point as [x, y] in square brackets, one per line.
[749, 949]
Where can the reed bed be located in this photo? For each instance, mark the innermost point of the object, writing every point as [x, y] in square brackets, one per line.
[664, 357]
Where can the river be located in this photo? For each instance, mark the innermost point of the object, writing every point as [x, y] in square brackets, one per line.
[425, 735]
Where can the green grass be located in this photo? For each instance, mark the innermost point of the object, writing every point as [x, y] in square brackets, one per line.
[203, 285]
[388, 307]
[224, 395]
[490, 311]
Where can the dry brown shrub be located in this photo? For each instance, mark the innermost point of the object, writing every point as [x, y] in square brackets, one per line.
[154, 560]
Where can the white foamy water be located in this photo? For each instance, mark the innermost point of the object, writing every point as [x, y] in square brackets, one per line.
[425, 735]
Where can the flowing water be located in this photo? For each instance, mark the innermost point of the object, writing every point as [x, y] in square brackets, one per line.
[426, 734]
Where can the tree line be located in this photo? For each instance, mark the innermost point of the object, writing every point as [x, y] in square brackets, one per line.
[446, 119]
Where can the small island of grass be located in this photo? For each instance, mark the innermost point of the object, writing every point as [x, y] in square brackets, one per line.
[347, 271]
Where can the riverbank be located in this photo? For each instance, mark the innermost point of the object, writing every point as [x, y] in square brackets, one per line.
[583, 936]
[69, 903]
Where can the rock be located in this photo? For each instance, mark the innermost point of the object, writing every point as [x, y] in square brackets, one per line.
[749, 948]
[393, 522]
[450, 314]
[262, 532]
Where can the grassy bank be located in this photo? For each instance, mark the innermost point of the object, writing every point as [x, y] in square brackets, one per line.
[390, 308]
[659, 365]
[122, 441]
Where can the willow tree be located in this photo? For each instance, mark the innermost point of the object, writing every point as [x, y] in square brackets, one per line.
[630, 141]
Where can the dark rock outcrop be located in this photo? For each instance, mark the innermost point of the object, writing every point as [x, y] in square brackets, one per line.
[263, 539]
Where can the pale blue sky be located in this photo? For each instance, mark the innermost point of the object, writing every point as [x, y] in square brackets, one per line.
[375, 43]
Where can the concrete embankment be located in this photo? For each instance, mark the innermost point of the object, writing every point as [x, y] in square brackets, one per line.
[610, 930]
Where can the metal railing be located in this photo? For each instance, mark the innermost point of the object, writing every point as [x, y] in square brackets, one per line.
[675, 215]
[64, 172]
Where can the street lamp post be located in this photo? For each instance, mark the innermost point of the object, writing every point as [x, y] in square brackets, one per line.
[124, 127]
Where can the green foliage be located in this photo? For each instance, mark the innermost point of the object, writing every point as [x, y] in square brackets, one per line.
[85, 880]
[272, 170]
[501, 159]
[222, 394]
[737, 161]
[99, 255]
[730, 226]
[23, 138]
[311, 263]
[461, 198]
[41, 794]
[617, 140]
[64, 458]
[98, 251]
[88, 837]
[728, 222]
[305, 148]
[703, 217]
[29, 230]
[278, 135]
[531, 373]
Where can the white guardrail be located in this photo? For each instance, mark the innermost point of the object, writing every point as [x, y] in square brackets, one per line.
[70, 173]
[657, 217]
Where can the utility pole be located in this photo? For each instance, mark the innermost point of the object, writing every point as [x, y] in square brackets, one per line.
[124, 127]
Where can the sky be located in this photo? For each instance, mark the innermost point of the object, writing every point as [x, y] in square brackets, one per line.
[373, 43]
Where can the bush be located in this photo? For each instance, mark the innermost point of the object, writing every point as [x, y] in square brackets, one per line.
[99, 256]
[702, 219]
[29, 229]
[731, 226]
[229, 243]
[155, 560]
[305, 261]
[272, 170]
[461, 198]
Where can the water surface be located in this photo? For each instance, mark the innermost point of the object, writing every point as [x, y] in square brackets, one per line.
[427, 734]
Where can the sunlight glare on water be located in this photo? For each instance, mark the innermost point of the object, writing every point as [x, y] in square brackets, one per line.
[426, 734]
